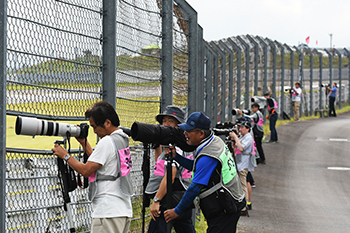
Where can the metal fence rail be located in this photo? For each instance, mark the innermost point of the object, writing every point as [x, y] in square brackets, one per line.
[59, 57]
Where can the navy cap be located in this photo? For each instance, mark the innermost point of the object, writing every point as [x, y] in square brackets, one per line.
[196, 120]
[173, 111]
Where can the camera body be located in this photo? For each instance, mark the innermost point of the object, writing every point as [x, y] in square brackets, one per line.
[224, 129]
[325, 85]
[32, 126]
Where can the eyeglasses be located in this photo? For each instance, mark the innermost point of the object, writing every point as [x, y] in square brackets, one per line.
[192, 130]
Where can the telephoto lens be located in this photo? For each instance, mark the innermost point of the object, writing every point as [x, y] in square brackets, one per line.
[32, 126]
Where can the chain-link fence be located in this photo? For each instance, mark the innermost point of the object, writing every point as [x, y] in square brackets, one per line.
[59, 57]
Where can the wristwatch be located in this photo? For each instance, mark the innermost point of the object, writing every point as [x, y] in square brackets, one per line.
[66, 157]
[156, 199]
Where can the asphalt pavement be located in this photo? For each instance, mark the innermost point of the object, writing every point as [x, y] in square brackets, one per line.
[304, 185]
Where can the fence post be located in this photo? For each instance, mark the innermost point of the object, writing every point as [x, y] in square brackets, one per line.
[230, 78]
[209, 82]
[339, 89]
[223, 80]
[282, 77]
[301, 74]
[109, 69]
[3, 77]
[239, 70]
[167, 55]
[291, 51]
[274, 61]
[320, 78]
[330, 63]
[311, 80]
[200, 76]
[348, 55]
[256, 63]
[192, 53]
[265, 46]
[215, 85]
[247, 58]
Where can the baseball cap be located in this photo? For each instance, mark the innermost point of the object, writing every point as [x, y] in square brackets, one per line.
[196, 120]
[266, 93]
[242, 121]
[173, 111]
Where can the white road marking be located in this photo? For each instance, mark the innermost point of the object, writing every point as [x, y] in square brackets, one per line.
[339, 139]
[339, 168]
[333, 139]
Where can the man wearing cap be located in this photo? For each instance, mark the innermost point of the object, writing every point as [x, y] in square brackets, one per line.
[331, 97]
[273, 116]
[157, 185]
[296, 99]
[215, 179]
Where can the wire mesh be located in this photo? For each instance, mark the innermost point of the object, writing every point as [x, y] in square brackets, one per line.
[180, 56]
[54, 57]
[138, 60]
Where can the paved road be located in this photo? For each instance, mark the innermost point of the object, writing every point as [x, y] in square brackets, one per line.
[295, 191]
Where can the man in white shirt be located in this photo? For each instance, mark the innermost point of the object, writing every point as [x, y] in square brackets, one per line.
[108, 169]
[296, 100]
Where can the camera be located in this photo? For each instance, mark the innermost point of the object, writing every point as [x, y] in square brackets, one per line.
[224, 129]
[160, 134]
[325, 85]
[288, 89]
[32, 126]
[259, 100]
[235, 112]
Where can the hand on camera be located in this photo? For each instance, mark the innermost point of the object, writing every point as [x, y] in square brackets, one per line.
[233, 135]
[170, 149]
[81, 140]
[59, 151]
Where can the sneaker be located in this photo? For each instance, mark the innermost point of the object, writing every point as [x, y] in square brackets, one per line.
[245, 213]
[249, 206]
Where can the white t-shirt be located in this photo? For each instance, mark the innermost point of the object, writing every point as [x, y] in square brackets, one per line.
[246, 162]
[109, 201]
[296, 97]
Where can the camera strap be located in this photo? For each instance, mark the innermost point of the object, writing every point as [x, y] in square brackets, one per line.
[85, 183]
[66, 173]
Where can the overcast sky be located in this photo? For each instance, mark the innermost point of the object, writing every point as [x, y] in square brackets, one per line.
[287, 21]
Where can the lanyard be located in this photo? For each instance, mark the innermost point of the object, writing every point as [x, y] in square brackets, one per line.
[200, 149]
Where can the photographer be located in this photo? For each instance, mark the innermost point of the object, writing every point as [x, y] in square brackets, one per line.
[331, 97]
[258, 130]
[108, 170]
[157, 185]
[296, 100]
[272, 117]
[244, 154]
[215, 179]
